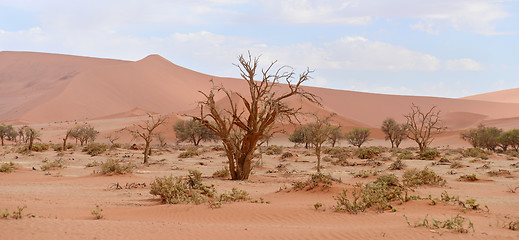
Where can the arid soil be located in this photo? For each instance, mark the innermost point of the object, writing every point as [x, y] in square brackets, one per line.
[59, 201]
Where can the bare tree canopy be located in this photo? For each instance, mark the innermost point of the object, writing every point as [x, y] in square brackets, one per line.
[146, 131]
[243, 129]
[423, 126]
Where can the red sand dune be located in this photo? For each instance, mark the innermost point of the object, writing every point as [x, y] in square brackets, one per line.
[41, 87]
[504, 96]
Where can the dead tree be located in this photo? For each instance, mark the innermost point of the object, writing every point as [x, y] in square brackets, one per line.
[423, 126]
[145, 130]
[243, 129]
[67, 135]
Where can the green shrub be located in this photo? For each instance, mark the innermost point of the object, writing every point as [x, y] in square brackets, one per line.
[175, 190]
[456, 164]
[224, 172]
[414, 178]
[397, 165]
[273, 150]
[513, 225]
[475, 152]
[40, 147]
[56, 164]
[189, 153]
[94, 149]
[7, 167]
[429, 154]
[406, 155]
[379, 194]
[286, 155]
[97, 212]
[116, 145]
[457, 224]
[469, 177]
[236, 195]
[315, 180]
[367, 153]
[113, 166]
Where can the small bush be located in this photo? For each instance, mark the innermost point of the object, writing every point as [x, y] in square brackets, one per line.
[116, 145]
[286, 155]
[414, 178]
[367, 153]
[315, 180]
[513, 225]
[40, 147]
[475, 152]
[470, 178]
[457, 224]
[224, 172]
[397, 165]
[113, 166]
[97, 212]
[236, 195]
[7, 167]
[273, 150]
[378, 194]
[429, 154]
[94, 149]
[406, 155]
[189, 153]
[500, 172]
[176, 190]
[92, 164]
[56, 164]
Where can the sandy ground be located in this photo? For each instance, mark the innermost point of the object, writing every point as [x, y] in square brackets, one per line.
[59, 202]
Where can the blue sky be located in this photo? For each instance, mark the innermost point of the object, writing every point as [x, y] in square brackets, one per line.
[446, 48]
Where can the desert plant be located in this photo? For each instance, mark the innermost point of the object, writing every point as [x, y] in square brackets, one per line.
[397, 165]
[358, 136]
[423, 126]
[406, 155]
[193, 131]
[513, 225]
[97, 212]
[334, 135]
[7, 132]
[244, 129]
[475, 152]
[482, 137]
[273, 150]
[7, 167]
[315, 180]
[320, 131]
[56, 164]
[414, 178]
[175, 190]
[377, 194]
[301, 135]
[395, 132]
[224, 172]
[456, 164]
[83, 134]
[94, 149]
[429, 154]
[146, 131]
[114, 166]
[286, 155]
[457, 224]
[367, 153]
[189, 153]
[469, 177]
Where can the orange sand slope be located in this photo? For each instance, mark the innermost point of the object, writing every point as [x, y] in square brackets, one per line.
[41, 87]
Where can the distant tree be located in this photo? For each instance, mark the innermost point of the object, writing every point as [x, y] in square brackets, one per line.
[112, 137]
[162, 140]
[244, 129]
[67, 135]
[31, 134]
[358, 136]
[485, 137]
[84, 134]
[146, 131]
[395, 132]
[335, 135]
[509, 139]
[320, 132]
[301, 135]
[193, 131]
[423, 126]
[7, 132]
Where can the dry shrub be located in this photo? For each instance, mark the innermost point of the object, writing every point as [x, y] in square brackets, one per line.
[397, 165]
[7, 167]
[468, 177]
[368, 153]
[456, 224]
[224, 172]
[114, 166]
[315, 180]
[94, 149]
[189, 153]
[415, 178]
[475, 152]
[429, 154]
[273, 150]
[175, 190]
[56, 164]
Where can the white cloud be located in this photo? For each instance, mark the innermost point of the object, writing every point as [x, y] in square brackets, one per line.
[464, 64]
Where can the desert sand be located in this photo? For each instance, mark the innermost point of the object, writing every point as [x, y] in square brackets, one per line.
[52, 93]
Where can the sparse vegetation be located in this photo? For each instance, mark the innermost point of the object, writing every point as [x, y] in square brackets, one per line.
[273, 150]
[224, 172]
[7, 167]
[146, 131]
[176, 190]
[415, 178]
[358, 136]
[94, 149]
[395, 132]
[189, 153]
[429, 154]
[56, 164]
[469, 177]
[475, 152]
[423, 126]
[315, 180]
[367, 153]
[114, 166]
[97, 212]
[397, 165]
[456, 224]
[193, 131]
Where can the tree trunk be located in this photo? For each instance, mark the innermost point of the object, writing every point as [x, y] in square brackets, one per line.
[64, 145]
[2, 140]
[146, 149]
[318, 154]
[31, 140]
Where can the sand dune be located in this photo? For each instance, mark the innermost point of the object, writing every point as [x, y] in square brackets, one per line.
[504, 96]
[42, 87]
